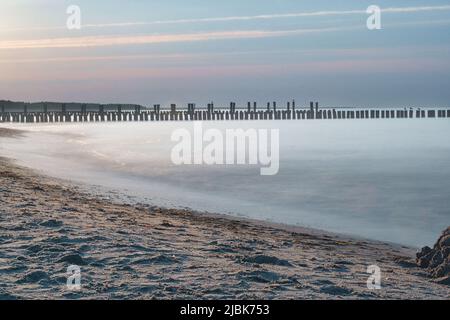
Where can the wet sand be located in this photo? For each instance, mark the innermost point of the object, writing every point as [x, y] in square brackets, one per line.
[144, 252]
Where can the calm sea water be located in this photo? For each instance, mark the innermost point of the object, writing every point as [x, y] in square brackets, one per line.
[380, 179]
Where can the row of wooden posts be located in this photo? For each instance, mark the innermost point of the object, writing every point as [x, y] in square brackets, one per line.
[251, 113]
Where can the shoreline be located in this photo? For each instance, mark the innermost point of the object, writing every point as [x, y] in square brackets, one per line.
[136, 252]
[118, 198]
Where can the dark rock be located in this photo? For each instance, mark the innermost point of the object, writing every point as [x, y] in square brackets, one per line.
[441, 271]
[424, 256]
[436, 260]
[445, 241]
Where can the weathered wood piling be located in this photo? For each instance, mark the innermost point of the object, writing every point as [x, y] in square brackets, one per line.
[211, 113]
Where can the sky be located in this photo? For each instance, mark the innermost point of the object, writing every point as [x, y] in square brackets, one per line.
[178, 51]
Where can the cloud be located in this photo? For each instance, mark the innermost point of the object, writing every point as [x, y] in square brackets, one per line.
[415, 9]
[274, 16]
[102, 41]
[249, 18]
[346, 66]
[98, 41]
[374, 52]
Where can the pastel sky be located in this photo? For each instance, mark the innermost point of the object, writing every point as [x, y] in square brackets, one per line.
[179, 51]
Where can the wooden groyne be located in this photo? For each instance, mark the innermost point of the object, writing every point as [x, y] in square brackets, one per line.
[211, 113]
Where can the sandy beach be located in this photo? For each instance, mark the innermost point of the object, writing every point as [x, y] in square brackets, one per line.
[145, 252]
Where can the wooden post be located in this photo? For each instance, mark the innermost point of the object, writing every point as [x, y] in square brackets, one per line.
[293, 110]
[210, 109]
[191, 108]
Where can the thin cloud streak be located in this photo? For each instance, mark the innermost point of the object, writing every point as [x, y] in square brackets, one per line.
[356, 52]
[383, 66]
[273, 16]
[249, 18]
[99, 41]
[100, 58]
